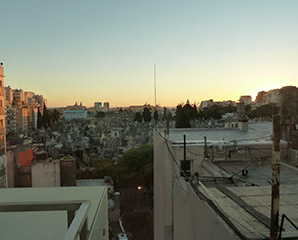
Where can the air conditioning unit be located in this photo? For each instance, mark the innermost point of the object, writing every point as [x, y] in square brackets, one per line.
[294, 156]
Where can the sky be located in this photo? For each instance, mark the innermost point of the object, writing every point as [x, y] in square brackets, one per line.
[105, 50]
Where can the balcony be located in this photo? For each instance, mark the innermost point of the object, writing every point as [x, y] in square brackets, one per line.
[54, 213]
[76, 214]
[2, 130]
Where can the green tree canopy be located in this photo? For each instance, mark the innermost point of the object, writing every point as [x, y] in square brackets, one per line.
[146, 114]
[185, 114]
[134, 169]
[156, 116]
[138, 117]
[138, 165]
[215, 111]
[100, 114]
[261, 112]
[55, 115]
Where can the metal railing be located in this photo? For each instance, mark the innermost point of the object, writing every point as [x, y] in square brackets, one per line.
[77, 213]
[283, 217]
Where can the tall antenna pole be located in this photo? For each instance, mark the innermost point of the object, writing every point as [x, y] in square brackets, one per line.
[155, 84]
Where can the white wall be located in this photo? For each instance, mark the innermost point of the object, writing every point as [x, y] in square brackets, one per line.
[194, 219]
[162, 190]
[46, 174]
[100, 228]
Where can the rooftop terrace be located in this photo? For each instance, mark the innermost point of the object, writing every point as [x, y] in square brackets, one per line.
[245, 200]
[257, 132]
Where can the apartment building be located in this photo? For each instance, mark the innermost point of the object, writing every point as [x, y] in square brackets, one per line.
[3, 171]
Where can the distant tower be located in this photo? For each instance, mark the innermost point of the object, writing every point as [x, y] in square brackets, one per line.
[106, 106]
[187, 102]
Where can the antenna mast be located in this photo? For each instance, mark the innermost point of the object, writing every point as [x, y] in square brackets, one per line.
[155, 84]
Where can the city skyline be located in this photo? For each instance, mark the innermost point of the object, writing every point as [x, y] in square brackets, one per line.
[105, 51]
[80, 103]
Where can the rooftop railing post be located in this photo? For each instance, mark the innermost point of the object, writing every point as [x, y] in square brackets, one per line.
[184, 147]
[205, 147]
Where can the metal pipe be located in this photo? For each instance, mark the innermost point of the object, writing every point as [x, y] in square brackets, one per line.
[184, 146]
[168, 123]
[205, 147]
[275, 177]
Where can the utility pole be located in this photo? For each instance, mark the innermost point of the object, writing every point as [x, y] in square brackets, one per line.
[275, 177]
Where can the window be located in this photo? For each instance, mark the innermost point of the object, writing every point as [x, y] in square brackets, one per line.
[185, 167]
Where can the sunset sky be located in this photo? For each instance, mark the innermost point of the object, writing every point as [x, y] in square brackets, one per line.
[105, 50]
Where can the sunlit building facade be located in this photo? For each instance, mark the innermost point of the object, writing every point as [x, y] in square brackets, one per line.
[3, 172]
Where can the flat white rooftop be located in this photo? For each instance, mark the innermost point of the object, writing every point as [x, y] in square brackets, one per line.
[257, 133]
[48, 225]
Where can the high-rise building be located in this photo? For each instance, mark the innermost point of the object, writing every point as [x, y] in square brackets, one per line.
[98, 106]
[18, 96]
[10, 119]
[9, 95]
[28, 95]
[106, 106]
[245, 99]
[3, 181]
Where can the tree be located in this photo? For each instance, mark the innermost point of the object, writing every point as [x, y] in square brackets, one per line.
[46, 117]
[164, 116]
[104, 167]
[56, 115]
[262, 111]
[39, 120]
[137, 164]
[156, 116]
[184, 115]
[138, 117]
[100, 114]
[146, 114]
[134, 169]
[215, 111]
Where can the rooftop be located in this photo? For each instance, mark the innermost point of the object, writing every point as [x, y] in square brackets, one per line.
[257, 133]
[245, 200]
[52, 213]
